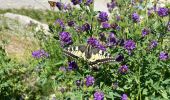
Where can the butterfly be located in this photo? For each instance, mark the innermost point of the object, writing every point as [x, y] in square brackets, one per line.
[93, 56]
[52, 4]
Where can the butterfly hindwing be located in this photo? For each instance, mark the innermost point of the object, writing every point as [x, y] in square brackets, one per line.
[99, 56]
[52, 4]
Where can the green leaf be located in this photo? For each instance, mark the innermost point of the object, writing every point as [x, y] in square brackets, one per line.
[145, 91]
[164, 95]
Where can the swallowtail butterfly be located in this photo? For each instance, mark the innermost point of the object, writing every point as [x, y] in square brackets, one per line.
[92, 55]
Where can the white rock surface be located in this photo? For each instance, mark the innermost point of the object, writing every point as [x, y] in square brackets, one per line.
[26, 21]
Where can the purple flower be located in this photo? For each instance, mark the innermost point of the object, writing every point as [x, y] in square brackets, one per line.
[78, 82]
[93, 41]
[135, 17]
[129, 45]
[114, 26]
[71, 23]
[163, 56]
[162, 12]
[111, 5]
[98, 95]
[118, 18]
[102, 37]
[145, 32]
[123, 69]
[75, 2]
[67, 6]
[101, 47]
[150, 12]
[60, 23]
[72, 65]
[124, 97]
[86, 27]
[105, 25]
[39, 54]
[103, 17]
[111, 40]
[120, 57]
[62, 68]
[153, 44]
[88, 2]
[59, 5]
[90, 80]
[65, 38]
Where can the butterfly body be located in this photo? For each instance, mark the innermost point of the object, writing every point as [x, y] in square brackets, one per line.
[92, 55]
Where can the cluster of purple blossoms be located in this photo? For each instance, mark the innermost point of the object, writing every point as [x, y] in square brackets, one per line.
[60, 23]
[145, 32]
[105, 25]
[135, 17]
[40, 54]
[76, 2]
[111, 5]
[120, 57]
[78, 82]
[111, 40]
[88, 2]
[129, 45]
[65, 38]
[123, 69]
[153, 44]
[72, 65]
[95, 43]
[71, 23]
[103, 16]
[98, 95]
[124, 97]
[59, 5]
[163, 56]
[162, 12]
[89, 80]
[86, 27]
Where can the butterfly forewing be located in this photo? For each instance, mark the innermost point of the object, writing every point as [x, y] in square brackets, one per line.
[75, 52]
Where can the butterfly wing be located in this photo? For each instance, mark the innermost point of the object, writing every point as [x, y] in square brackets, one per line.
[52, 3]
[75, 51]
[99, 57]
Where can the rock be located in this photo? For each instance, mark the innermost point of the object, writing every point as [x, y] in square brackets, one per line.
[27, 21]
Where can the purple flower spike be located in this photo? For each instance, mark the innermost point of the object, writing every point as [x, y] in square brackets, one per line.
[153, 44]
[163, 56]
[135, 17]
[124, 97]
[105, 25]
[162, 12]
[60, 23]
[129, 45]
[145, 32]
[78, 82]
[89, 81]
[111, 40]
[39, 54]
[103, 17]
[86, 27]
[65, 38]
[75, 2]
[59, 5]
[123, 69]
[72, 65]
[98, 95]
[119, 58]
[168, 26]
[71, 23]
[93, 41]
[88, 2]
